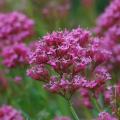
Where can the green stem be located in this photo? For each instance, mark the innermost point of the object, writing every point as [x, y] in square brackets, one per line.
[96, 104]
[73, 111]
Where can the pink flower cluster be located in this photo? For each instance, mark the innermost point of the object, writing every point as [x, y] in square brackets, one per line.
[108, 28]
[15, 54]
[112, 97]
[105, 116]
[114, 48]
[15, 27]
[9, 113]
[68, 60]
[110, 17]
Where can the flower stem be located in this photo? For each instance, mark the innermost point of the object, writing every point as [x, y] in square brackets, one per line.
[73, 111]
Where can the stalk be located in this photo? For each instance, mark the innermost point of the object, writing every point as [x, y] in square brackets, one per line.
[73, 111]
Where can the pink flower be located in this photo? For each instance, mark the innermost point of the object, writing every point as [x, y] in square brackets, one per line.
[38, 73]
[54, 10]
[61, 59]
[15, 27]
[9, 113]
[15, 54]
[105, 116]
[108, 94]
[85, 100]
[18, 79]
[109, 18]
[108, 28]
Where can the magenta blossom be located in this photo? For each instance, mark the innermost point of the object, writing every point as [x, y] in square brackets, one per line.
[18, 79]
[85, 100]
[15, 27]
[9, 113]
[108, 28]
[62, 58]
[105, 116]
[15, 54]
[110, 17]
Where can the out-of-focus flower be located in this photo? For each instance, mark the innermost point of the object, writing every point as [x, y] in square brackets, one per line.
[15, 54]
[108, 28]
[108, 96]
[85, 100]
[114, 47]
[62, 118]
[56, 10]
[105, 116]
[110, 17]
[10, 113]
[68, 54]
[14, 27]
[18, 79]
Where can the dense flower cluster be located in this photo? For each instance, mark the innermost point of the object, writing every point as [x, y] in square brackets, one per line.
[9, 113]
[64, 61]
[15, 54]
[108, 28]
[105, 116]
[110, 17]
[61, 60]
[15, 27]
[114, 48]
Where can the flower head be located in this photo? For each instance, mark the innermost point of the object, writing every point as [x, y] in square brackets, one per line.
[15, 54]
[110, 17]
[14, 27]
[9, 113]
[61, 59]
[108, 28]
[105, 116]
